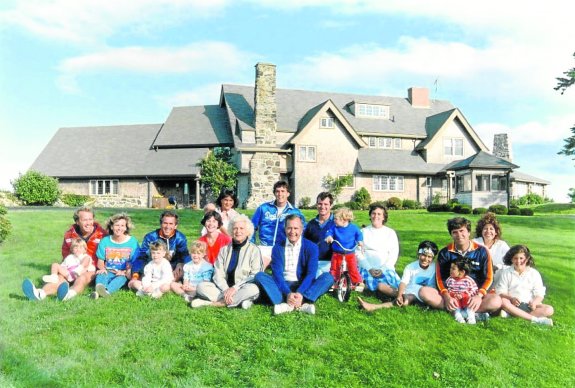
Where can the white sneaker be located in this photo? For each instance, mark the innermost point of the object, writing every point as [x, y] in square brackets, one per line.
[101, 290]
[470, 317]
[140, 293]
[200, 303]
[307, 308]
[246, 304]
[282, 308]
[503, 314]
[459, 316]
[50, 278]
[188, 298]
[542, 321]
[156, 294]
[94, 295]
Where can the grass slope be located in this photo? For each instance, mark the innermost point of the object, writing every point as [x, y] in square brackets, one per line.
[128, 341]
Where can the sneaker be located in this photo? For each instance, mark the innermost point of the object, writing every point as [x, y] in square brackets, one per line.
[307, 308]
[62, 291]
[503, 314]
[188, 298]
[50, 278]
[70, 295]
[94, 295]
[101, 290]
[156, 294]
[282, 308]
[359, 287]
[29, 290]
[200, 303]
[471, 319]
[481, 317]
[543, 321]
[140, 293]
[459, 317]
[246, 304]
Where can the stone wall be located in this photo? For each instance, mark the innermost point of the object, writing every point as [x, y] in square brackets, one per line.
[265, 108]
[502, 147]
[264, 172]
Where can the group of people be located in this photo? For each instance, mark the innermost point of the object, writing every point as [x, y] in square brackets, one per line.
[294, 262]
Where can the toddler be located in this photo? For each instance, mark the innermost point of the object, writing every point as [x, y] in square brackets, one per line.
[195, 272]
[461, 287]
[344, 237]
[158, 275]
[521, 288]
[73, 265]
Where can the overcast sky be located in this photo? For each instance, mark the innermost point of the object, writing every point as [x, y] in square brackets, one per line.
[67, 63]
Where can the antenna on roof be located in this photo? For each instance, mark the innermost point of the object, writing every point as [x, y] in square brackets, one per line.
[435, 87]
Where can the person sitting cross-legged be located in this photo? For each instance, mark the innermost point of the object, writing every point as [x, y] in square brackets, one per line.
[292, 285]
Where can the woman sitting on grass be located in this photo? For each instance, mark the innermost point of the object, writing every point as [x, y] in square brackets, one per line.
[521, 288]
[214, 238]
[234, 271]
[488, 232]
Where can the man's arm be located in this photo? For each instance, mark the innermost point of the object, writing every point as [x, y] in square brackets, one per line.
[277, 265]
[309, 256]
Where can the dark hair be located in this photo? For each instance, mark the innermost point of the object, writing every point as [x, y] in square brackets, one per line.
[212, 213]
[463, 264]
[168, 213]
[488, 218]
[281, 184]
[428, 245]
[457, 223]
[508, 258]
[374, 206]
[323, 195]
[227, 193]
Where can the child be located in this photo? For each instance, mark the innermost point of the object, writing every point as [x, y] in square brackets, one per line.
[158, 275]
[521, 288]
[415, 275]
[74, 265]
[195, 272]
[347, 237]
[462, 287]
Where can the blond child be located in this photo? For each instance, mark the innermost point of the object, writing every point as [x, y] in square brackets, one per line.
[521, 288]
[158, 273]
[73, 265]
[344, 237]
[195, 272]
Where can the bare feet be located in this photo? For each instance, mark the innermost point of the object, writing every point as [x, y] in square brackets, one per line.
[372, 306]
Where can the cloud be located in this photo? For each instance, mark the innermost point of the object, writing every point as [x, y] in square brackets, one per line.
[204, 95]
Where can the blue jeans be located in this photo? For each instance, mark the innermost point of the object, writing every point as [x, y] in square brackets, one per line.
[112, 282]
[320, 286]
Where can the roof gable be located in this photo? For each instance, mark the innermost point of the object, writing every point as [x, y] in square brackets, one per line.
[482, 159]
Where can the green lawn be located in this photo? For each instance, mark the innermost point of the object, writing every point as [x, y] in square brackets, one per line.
[124, 340]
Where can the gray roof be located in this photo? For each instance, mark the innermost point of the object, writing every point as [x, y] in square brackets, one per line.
[481, 159]
[293, 105]
[374, 160]
[195, 126]
[115, 151]
[521, 177]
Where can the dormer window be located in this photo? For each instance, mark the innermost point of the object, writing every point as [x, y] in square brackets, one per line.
[375, 111]
[383, 142]
[326, 122]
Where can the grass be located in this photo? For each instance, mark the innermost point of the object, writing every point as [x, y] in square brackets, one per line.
[128, 341]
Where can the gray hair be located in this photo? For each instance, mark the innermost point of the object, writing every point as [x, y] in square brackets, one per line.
[238, 219]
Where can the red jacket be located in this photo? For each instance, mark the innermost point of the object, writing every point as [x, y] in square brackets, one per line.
[92, 240]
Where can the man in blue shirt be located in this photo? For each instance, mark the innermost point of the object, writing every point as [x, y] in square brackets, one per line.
[317, 228]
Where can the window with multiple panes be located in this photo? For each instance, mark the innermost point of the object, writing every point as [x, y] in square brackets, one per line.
[104, 187]
[372, 110]
[463, 183]
[387, 183]
[453, 147]
[306, 153]
[326, 122]
[383, 142]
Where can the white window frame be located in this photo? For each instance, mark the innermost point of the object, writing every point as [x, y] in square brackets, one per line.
[307, 153]
[372, 110]
[372, 141]
[394, 183]
[451, 146]
[397, 143]
[326, 122]
[104, 187]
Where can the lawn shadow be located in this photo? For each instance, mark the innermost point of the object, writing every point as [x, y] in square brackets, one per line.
[17, 296]
[42, 267]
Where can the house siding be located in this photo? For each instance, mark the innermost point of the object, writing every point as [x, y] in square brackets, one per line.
[435, 151]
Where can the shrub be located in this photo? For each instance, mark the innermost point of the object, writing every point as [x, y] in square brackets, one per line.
[394, 203]
[452, 203]
[514, 211]
[526, 212]
[479, 210]
[75, 200]
[411, 204]
[531, 199]
[5, 225]
[362, 198]
[462, 209]
[443, 207]
[3, 211]
[35, 188]
[352, 205]
[498, 209]
[304, 202]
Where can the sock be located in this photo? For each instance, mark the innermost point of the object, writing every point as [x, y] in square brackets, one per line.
[41, 294]
[70, 295]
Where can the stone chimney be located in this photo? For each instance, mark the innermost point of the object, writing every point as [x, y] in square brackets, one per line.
[265, 109]
[502, 146]
[418, 97]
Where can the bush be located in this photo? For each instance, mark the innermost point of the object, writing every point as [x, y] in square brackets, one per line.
[462, 209]
[5, 225]
[35, 188]
[352, 205]
[394, 203]
[411, 204]
[304, 202]
[526, 212]
[3, 211]
[452, 203]
[75, 200]
[514, 211]
[443, 207]
[479, 210]
[362, 198]
[498, 209]
[531, 199]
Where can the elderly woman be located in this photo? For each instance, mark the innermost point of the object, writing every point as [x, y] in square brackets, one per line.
[488, 233]
[214, 238]
[380, 253]
[234, 271]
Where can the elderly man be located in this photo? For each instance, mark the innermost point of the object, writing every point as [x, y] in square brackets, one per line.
[292, 285]
[481, 272]
[91, 232]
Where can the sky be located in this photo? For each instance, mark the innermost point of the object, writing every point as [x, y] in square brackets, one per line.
[70, 63]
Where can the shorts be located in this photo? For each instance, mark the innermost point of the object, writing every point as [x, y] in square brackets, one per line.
[413, 289]
[525, 307]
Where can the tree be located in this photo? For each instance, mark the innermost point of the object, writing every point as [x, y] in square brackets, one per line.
[35, 188]
[571, 194]
[335, 185]
[562, 84]
[218, 171]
